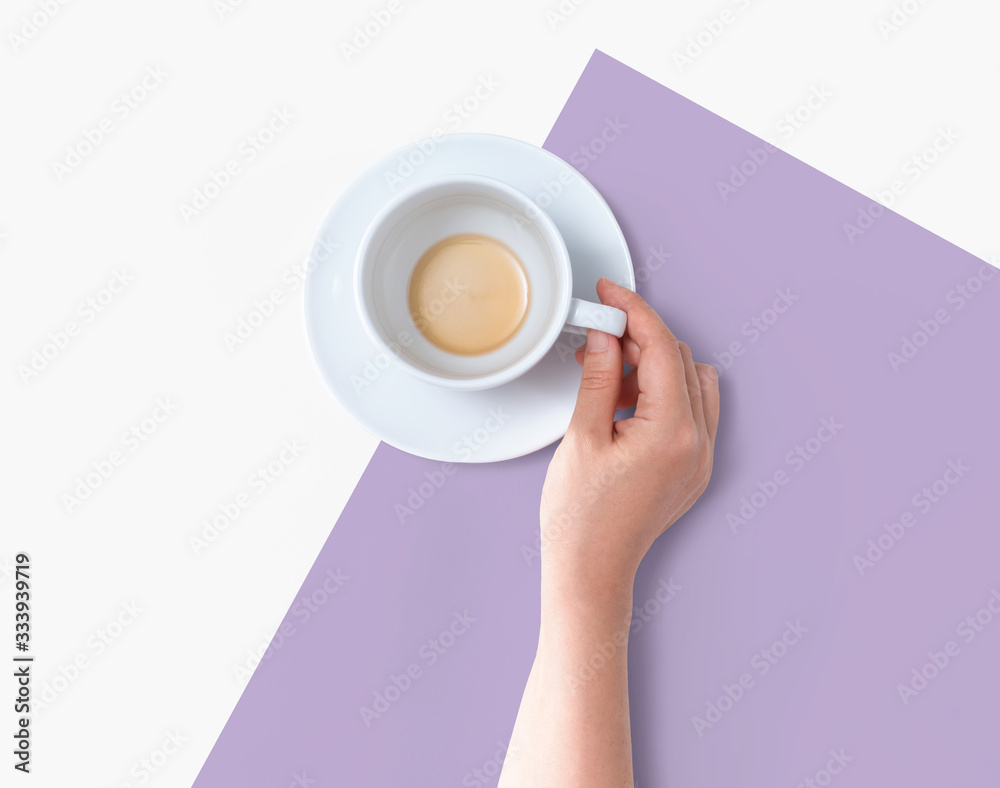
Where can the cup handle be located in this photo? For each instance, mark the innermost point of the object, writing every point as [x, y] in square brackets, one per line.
[587, 314]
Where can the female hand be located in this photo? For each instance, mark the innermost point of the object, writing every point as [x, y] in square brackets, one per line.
[614, 486]
[611, 489]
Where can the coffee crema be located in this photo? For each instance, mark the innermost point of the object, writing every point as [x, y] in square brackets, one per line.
[468, 294]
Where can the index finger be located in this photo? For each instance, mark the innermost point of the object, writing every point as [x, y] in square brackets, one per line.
[660, 372]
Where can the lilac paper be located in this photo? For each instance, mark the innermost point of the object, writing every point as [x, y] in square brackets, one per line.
[823, 446]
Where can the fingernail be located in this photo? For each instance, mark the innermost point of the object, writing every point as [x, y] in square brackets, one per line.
[597, 341]
[713, 371]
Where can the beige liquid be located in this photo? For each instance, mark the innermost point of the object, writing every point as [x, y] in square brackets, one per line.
[468, 294]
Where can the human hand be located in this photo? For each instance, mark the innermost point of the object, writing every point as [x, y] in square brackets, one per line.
[613, 487]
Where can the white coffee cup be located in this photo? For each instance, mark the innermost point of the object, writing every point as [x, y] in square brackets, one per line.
[417, 218]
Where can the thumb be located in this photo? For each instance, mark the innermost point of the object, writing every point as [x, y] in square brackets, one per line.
[600, 386]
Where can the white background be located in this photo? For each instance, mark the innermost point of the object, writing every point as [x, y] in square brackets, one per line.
[172, 669]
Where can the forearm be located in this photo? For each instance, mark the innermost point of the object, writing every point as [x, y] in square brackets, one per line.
[612, 488]
[572, 729]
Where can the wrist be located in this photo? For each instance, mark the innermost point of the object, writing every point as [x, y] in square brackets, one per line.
[584, 631]
[580, 599]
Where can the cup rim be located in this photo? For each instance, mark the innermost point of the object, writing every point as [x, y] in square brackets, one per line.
[539, 219]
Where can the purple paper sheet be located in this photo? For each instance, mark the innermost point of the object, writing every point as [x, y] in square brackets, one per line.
[776, 642]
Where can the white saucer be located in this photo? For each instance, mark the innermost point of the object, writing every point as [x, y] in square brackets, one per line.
[420, 418]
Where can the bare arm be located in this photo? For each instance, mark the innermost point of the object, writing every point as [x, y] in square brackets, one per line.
[612, 488]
